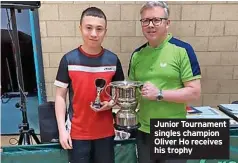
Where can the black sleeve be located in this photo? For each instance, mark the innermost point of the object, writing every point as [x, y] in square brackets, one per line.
[119, 75]
[62, 77]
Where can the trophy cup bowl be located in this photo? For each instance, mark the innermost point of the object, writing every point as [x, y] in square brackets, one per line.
[99, 84]
[124, 95]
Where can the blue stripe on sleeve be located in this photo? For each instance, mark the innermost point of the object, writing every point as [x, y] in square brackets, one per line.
[191, 54]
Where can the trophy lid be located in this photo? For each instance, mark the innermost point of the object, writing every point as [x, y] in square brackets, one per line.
[126, 84]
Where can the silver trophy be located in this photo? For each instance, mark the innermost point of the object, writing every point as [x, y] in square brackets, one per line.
[124, 95]
[99, 84]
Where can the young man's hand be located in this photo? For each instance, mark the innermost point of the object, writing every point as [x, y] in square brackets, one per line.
[106, 105]
[65, 139]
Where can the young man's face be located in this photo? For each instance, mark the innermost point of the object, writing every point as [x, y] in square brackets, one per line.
[157, 28]
[93, 30]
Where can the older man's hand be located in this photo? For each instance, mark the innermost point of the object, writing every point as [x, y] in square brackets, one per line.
[150, 91]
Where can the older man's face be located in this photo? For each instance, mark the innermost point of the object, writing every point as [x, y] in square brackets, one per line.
[154, 23]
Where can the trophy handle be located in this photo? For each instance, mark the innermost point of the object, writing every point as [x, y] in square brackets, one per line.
[106, 90]
[140, 87]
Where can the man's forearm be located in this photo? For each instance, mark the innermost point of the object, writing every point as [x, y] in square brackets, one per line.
[183, 95]
[60, 110]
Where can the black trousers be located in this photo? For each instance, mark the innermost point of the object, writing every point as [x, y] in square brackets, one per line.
[92, 151]
[143, 147]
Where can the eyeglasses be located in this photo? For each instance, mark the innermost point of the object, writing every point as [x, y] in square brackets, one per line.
[156, 21]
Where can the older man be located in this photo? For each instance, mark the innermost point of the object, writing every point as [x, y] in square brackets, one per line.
[170, 71]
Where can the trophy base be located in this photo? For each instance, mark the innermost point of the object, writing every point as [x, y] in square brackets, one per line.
[127, 128]
[96, 106]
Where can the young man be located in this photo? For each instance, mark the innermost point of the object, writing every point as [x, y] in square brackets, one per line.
[91, 138]
[170, 71]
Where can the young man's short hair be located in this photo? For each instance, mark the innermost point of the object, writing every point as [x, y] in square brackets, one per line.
[93, 11]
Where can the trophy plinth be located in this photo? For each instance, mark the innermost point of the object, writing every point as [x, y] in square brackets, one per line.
[99, 84]
[124, 95]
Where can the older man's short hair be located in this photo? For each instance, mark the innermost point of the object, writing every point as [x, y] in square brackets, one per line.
[152, 4]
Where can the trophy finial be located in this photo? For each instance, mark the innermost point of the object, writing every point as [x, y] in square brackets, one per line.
[100, 83]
